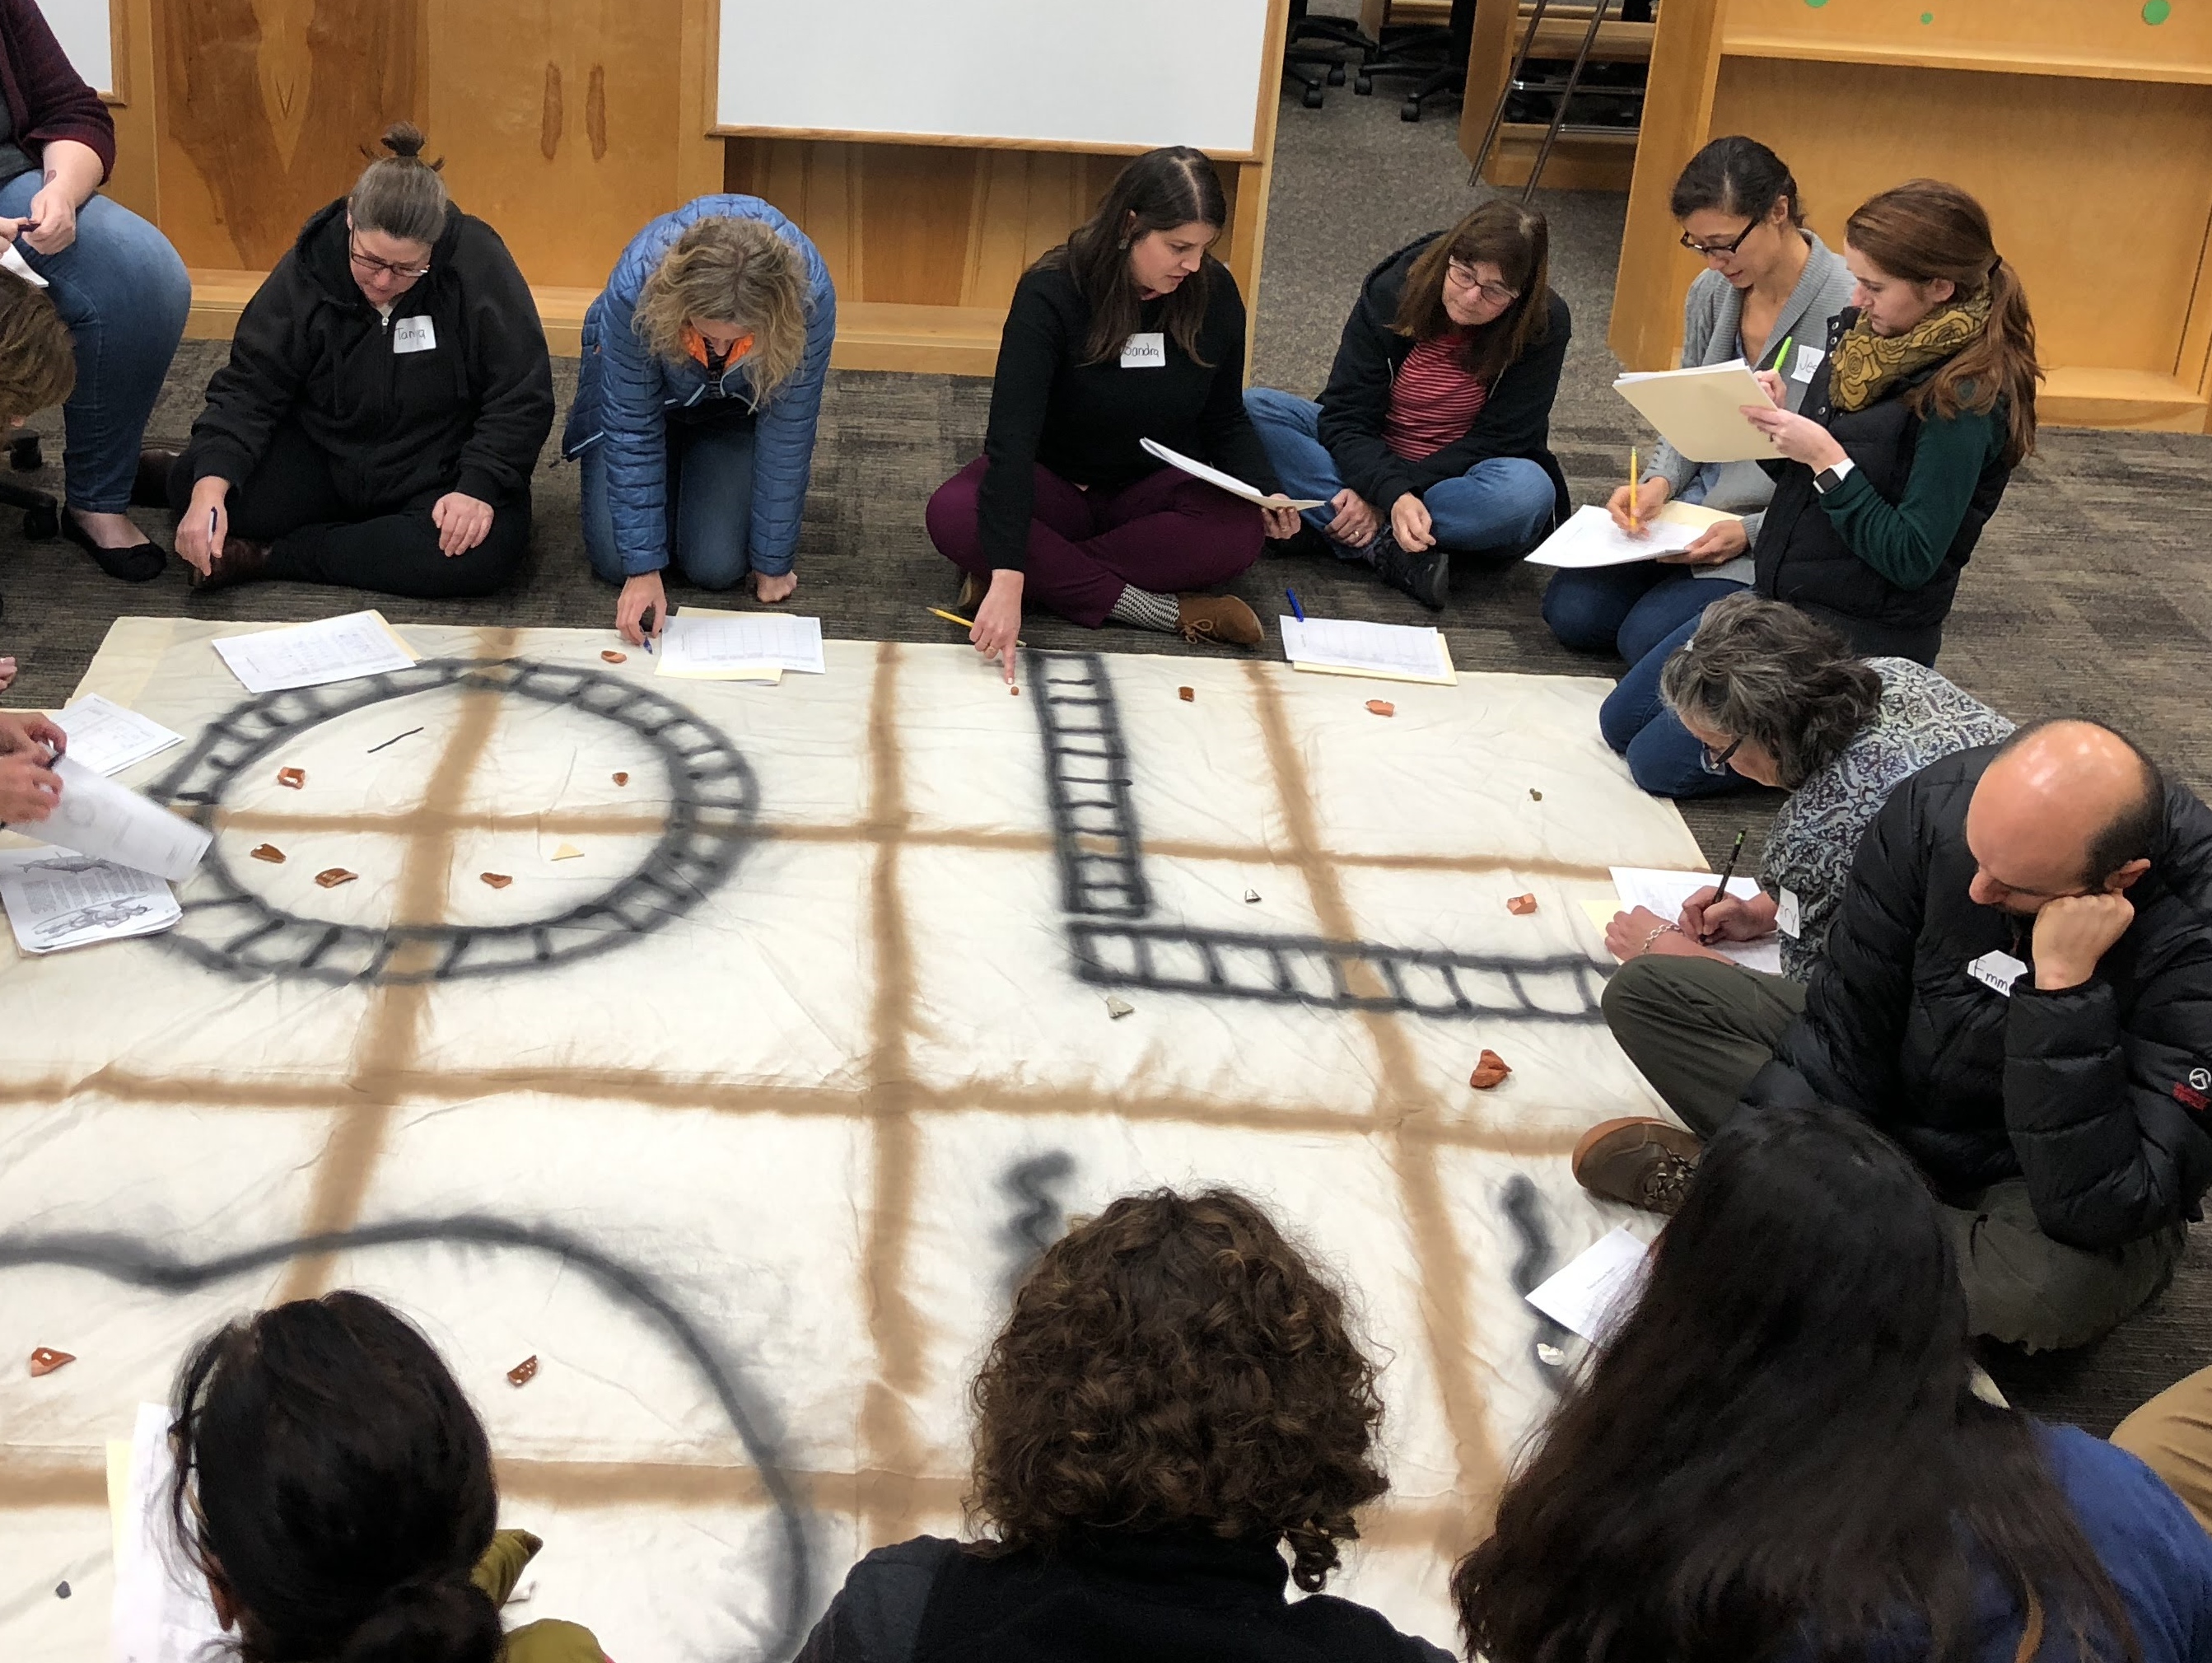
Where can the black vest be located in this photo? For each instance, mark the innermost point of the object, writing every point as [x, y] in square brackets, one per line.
[1801, 558]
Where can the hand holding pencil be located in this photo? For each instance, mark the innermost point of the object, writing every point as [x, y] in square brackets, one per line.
[1633, 506]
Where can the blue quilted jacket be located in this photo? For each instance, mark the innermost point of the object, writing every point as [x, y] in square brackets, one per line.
[625, 398]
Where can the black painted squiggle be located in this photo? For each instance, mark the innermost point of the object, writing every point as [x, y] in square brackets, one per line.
[1030, 1184]
[1525, 1210]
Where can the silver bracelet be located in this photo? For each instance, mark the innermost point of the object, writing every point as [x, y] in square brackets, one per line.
[1654, 935]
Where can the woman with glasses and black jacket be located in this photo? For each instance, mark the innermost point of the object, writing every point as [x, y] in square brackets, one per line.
[1432, 437]
[387, 393]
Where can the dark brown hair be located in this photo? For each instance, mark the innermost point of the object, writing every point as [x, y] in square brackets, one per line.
[1518, 241]
[400, 194]
[1925, 229]
[1176, 1362]
[1157, 192]
[38, 359]
[1736, 175]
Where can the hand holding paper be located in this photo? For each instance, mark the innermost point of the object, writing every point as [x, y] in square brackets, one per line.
[1700, 412]
[110, 822]
[1227, 482]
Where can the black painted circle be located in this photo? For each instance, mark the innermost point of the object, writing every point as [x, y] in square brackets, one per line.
[228, 927]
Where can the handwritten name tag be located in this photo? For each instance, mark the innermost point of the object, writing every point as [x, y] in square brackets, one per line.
[1998, 970]
[414, 334]
[1789, 916]
[1808, 360]
[1144, 352]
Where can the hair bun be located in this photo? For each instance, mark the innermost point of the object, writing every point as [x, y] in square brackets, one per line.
[404, 139]
[428, 1622]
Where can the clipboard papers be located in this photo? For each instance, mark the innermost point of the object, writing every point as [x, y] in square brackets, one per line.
[315, 655]
[1228, 482]
[1591, 539]
[1387, 652]
[1700, 412]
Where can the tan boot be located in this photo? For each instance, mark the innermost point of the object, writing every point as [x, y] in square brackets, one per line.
[972, 591]
[1221, 619]
[1643, 1162]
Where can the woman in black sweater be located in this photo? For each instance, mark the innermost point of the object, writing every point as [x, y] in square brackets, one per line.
[1130, 330]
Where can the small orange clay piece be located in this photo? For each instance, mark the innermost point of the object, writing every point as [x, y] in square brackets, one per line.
[496, 880]
[1015, 692]
[1382, 707]
[614, 657]
[295, 777]
[1489, 1068]
[622, 779]
[1521, 905]
[44, 1361]
[269, 852]
[333, 877]
[1186, 694]
[523, 1373]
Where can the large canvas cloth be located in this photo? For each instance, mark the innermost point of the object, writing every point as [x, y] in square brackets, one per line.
[744, 1121]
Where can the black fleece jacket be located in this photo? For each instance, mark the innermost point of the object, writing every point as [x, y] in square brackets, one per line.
[1516, 419]
[2097, 1094]
[469, 413]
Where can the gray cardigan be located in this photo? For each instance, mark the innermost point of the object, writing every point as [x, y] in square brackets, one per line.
[1711, 314]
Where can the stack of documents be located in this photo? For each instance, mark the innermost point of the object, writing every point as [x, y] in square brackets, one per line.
[1590, 538]
[1391, 652]
[57, 900]
[1228, 482]
[1700, 412]
[701, 644]
[107, 739]
[315, 655]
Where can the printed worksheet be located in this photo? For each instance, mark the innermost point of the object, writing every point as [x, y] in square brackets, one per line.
[738, 644]
[1400, 652]
[315, 655]
[111, 822]
[57, 900]
[108, 738]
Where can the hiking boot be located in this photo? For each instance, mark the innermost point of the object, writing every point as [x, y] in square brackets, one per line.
[1645, 1163]
[1426, 577]
[1221, 619]
[972, 591]
[241, 561]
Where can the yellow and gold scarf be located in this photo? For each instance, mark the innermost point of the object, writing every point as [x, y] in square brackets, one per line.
[1865, 365]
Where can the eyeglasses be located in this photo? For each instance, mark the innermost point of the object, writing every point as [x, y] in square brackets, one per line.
[1714, 762]
[375, 267]
[1709, 249]
[1496, 294]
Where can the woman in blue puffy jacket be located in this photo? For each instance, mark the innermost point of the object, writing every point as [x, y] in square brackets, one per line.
[703, 362]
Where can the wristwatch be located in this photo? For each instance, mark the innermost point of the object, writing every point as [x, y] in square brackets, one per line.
[1829, 478]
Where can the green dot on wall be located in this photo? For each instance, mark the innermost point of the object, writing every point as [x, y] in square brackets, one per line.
[2157, 11]
[1927, 16]
[1817, 4]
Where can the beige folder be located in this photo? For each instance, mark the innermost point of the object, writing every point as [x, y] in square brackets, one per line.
[1700, 412]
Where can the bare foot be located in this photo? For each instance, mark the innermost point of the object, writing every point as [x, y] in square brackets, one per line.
[110, 531]
[7, 672]
[769, 588]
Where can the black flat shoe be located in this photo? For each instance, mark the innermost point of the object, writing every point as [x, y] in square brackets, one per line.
[142, 562]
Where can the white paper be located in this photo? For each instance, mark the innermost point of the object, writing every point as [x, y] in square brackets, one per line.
[12, 258]
[1589, 538]
[313, 654]
[56, 899]
[107, 739]
[1663, 892]
[1395, 650]
[111, 822]
[1228, 482]
[745, 643]
[161, 1613]
[1597, 1287]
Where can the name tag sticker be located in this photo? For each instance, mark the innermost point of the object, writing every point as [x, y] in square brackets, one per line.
[1998, 970]
[1789, 918]
[414, 334]
[1144, 352]
[1808, 360]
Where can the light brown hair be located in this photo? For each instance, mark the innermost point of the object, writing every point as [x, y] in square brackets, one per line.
[1176, 1362]
[38, 359]
[736, 272]
[1925, 229]
[401, 195]
[1518, 241]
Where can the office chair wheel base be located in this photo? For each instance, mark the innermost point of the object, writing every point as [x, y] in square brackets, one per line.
[41, 524]
[23, 454]
[1336, 75]
[1311, 98]
[1410, 110]
[1363, 85]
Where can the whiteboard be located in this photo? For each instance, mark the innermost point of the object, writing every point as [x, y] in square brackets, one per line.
[81, 28]
[1080, 74]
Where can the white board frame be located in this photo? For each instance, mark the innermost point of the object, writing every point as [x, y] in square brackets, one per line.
[91, 34]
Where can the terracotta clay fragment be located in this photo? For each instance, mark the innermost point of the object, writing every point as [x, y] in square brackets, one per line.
[1015, 691]
[1188, 695]
[269, 852]
[333, 876]
[1521, 905]
[295, 777]
[614, 657]
[496, 880]
[523, 1373]
[1489, 1068]
[622, 779]
[45, 1359]
[1382, 707]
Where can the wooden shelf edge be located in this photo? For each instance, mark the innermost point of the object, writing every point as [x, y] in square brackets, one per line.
[2133, 399]
[1983, 60]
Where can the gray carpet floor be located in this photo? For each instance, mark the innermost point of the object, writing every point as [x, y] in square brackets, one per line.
[2091, 593]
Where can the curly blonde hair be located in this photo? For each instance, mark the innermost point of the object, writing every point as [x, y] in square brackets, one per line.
[735, 272]
[1173, 1362]
[38, 359]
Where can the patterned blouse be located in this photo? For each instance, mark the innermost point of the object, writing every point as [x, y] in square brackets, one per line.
[1922, 718]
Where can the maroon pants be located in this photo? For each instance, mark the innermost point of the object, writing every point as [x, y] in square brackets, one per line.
[1166, 533]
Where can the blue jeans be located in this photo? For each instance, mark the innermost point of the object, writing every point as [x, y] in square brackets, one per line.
[122, 290]
[1662, 758]
[1498, 505]
[710, 496]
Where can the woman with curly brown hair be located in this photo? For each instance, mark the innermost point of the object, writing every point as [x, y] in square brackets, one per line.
[1176, 1395]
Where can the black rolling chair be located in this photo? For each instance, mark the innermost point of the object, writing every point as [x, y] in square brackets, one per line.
[41, 516]
[1337, 33]
[1435, 56]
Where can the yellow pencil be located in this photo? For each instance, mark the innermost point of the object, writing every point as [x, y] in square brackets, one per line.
[964, 623]
[1634, 523]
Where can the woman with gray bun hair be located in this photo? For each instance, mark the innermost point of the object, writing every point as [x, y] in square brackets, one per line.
[1779, 698]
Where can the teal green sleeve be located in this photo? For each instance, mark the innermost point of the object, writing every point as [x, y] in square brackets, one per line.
[1906, 542]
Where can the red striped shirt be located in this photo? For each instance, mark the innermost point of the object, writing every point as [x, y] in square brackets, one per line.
[1435, 398]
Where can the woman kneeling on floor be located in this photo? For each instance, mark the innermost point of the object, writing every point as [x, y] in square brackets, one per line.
[386, 396]
[1175, 1397]
[1130, 330]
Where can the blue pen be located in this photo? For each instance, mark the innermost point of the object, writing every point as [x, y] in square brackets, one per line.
[1298, 611]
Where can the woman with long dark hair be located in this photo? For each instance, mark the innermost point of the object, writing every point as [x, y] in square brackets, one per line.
[1175, 1400]
[1778, 1454]
[1432, 436]
[1130, 330]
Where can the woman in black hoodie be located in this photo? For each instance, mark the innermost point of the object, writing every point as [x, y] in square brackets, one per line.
[387, 395]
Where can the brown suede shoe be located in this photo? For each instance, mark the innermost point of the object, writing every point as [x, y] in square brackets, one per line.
[1643, 1162]
[150, 489]
[1218, 617]
[972, 591]
[241, 561]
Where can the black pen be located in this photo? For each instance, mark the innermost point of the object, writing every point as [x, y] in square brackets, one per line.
[1728, 872]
